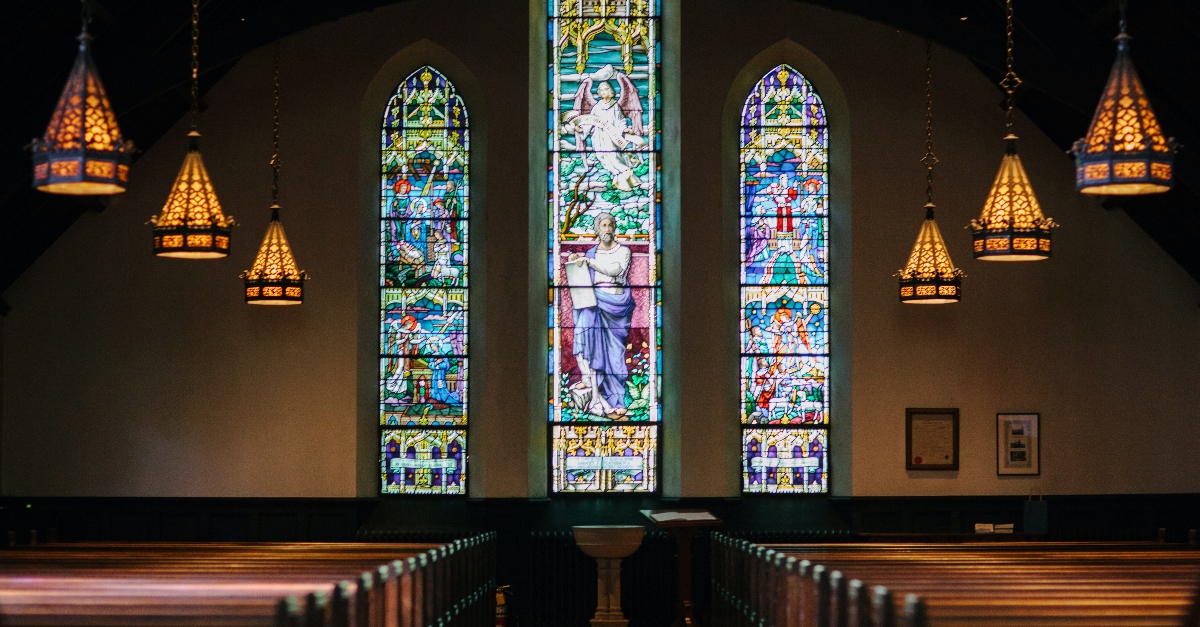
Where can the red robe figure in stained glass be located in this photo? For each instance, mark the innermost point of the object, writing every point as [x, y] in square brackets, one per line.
[766, 386]
[783, 195]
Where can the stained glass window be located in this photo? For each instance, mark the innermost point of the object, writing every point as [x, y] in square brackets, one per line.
[605, 240]
[784, 286]
[423, 289]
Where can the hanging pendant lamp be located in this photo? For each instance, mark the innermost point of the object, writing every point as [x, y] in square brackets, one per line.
[274, 278]
[929, 277]
[192, 225]
[1012, 226]
[1124, 152]
[82, 152]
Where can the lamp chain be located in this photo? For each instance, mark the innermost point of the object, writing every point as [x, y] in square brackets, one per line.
[275, 163]
[85, 14]
[1010, 82]
[1122, 10]
[195, 63]
[929, 159]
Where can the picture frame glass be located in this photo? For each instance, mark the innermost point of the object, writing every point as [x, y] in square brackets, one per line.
[1018, 444]
[932, 439]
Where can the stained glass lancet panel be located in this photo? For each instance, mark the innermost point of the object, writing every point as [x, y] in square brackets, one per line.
[784, 286]
[423, 281]
[604, 354]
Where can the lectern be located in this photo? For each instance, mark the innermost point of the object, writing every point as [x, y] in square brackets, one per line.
[683, 524]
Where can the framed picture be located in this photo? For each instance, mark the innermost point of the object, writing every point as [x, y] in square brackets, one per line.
[1018, 447]
[931, 439]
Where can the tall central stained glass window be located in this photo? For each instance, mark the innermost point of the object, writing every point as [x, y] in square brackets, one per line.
[423, 289]
[784, 211]
[605, 238]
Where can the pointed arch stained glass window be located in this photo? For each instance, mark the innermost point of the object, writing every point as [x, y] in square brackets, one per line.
[784, 286]
[423, 288]
[605, 240]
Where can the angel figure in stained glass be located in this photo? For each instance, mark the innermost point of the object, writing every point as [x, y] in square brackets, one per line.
[396, 382]
[612, 123]
[790, 328]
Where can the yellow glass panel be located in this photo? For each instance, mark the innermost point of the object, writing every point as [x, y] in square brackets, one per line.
[929, 258]
[64, 168]
[1129, 169]
[1095, 171]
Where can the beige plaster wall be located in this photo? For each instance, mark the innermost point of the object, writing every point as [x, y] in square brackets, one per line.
[128, 375]
[139, 376]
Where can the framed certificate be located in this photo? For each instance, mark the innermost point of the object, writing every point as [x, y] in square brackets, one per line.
[1018, 447]
[931, 439]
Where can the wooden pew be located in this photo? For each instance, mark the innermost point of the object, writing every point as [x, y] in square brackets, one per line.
[1146, 581]
[235, 585]
[1042, 584]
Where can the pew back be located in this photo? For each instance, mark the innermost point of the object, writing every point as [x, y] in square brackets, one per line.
[260, 584]
[1036, 584]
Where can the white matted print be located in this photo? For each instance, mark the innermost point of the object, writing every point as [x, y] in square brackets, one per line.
[1018, 445]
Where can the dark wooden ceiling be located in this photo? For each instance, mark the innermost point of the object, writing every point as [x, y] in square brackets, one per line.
[1065, 52]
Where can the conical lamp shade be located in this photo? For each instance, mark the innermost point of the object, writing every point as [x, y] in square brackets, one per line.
[82, 152]
[930, 277]
[274, 279]
[1124, 152]
[1011, 227]
[192, 225]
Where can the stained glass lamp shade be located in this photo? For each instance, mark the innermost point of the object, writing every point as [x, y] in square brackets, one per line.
[274, 279]
[192, 225]
[1012, 226]
[929, 277]
[1124, 152]
[82, 152]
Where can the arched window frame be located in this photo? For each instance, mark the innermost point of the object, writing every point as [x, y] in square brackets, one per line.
[423, 260]
[664, 143]
[784, 285]
[839, 256]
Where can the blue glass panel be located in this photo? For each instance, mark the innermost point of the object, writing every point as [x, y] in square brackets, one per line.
[423, 263]
[784, 231]
[785, 460]
[423, 461]
[605, 242]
